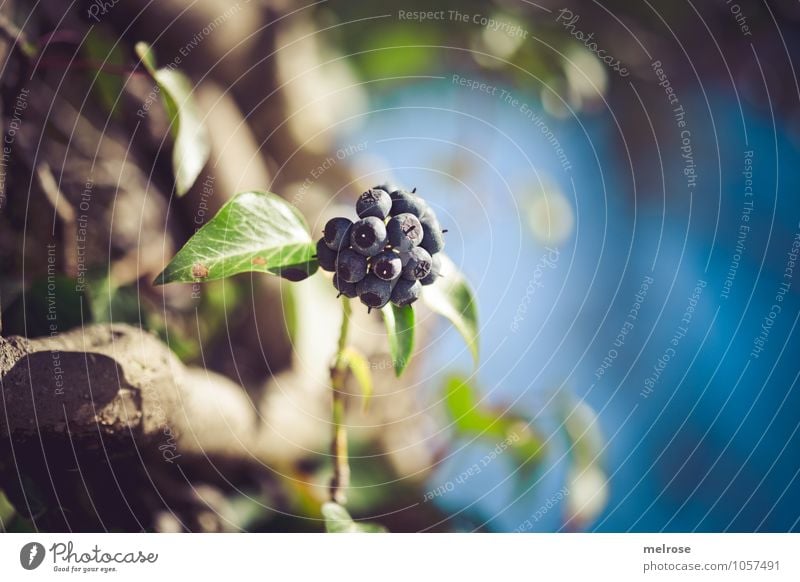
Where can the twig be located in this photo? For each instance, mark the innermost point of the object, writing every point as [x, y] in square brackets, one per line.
[341, 466]
[65, 213]
[14, 34]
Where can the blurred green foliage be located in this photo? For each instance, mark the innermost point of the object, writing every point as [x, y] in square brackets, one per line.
[104, 52]
[472, 418]
[381, 45]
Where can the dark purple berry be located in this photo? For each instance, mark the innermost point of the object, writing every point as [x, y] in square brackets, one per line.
[386, 187]
[374, 292]
[298, 272]
[344, 288]
[368, 236]
[387, 265]
[337, 233]
[405, 292]
[374, 202]
[417, 264]
[350, 266]
[436, 267]
[428, 214]
[432, 237]
[405, 202]
[325, 256]
[404, 232]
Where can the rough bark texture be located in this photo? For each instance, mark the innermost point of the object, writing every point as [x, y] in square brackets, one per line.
[113, 400]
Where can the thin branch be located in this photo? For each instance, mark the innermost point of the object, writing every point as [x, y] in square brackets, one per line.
[341, 465]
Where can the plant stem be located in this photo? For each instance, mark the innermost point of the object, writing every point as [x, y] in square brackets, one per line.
[341, 467]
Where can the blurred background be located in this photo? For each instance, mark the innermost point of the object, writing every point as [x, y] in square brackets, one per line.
[619, 183]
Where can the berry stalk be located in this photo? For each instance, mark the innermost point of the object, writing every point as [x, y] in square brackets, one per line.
[341, 466]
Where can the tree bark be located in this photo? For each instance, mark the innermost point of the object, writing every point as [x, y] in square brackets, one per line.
[109, 426]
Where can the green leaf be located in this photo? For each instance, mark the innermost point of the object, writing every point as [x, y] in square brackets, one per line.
[148, 57]
[400, 329]
[452, 297]
[587, 481]
[469, 416]
[464, 409]
[255, 231]
[337, 520]
[191, 149]
[359, 366]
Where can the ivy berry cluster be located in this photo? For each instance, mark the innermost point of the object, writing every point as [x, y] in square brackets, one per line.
[386, 255]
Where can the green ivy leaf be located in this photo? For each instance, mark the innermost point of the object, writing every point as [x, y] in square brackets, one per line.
[359, 366]
[191, 149]
[452, 297]
[400, 330]
[255, 231]
[337, 520]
